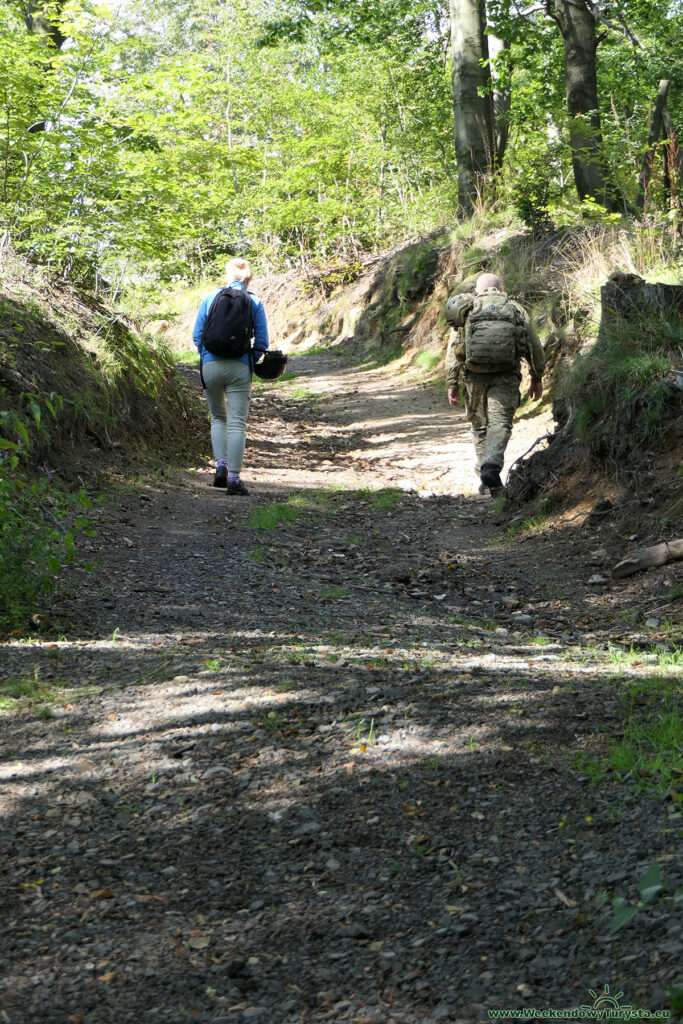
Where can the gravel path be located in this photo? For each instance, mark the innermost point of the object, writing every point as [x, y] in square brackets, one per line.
[327, 771]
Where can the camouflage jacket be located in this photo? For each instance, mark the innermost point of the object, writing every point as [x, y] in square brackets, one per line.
[529, 348]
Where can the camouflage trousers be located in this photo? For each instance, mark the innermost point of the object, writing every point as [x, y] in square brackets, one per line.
[491, 400]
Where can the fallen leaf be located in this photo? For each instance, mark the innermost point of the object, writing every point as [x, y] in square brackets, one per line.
[102, 894]
[200, 942]
[107, 977]
[565, 899]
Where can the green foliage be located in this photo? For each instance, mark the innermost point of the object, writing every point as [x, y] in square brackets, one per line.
[428, 361]
[650, 751]
[268, 517]
[650, 885]
[157, 143]
[533, 523]
[71, 369]
[30, 692]
[619, 389]
[38, 527]
[386, 497]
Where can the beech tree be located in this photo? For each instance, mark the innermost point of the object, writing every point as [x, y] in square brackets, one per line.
[179, 133]
[475, 140]
[576, 20]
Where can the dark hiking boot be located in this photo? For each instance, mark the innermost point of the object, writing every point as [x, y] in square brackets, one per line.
[490, 477]
[221, 477]
[237, 488]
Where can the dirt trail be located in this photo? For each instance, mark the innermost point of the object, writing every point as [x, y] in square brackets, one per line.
[385, 427]
[325, 771]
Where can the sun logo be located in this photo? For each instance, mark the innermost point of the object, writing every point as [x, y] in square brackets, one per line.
[605, 1001]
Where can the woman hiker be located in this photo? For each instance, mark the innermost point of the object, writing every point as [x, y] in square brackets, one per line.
[227, 320]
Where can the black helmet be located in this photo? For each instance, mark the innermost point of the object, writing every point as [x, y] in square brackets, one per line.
[271, 365]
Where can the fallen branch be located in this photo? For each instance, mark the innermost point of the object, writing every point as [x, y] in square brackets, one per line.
[646, 558]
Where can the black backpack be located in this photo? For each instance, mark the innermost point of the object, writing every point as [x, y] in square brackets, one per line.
[228, 328]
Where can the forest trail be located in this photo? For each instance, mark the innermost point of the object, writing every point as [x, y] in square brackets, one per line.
[314, 756]
[387, 428]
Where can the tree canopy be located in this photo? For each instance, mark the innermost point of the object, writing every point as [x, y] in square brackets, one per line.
[167, 136]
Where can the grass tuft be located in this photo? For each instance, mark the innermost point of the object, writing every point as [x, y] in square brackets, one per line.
[650, 751]
[269, 517]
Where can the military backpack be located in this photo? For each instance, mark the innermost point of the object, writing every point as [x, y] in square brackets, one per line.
[494, 329]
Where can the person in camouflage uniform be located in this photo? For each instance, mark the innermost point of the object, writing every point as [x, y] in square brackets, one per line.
[491, 396]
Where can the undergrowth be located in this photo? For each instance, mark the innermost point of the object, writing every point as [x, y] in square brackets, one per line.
[77, 373]
[30, 693]
[619, 390]
[38, 528]
[649, 751]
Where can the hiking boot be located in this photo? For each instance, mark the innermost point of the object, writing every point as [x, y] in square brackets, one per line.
[237, 488]
[221, 477]
[490, 477]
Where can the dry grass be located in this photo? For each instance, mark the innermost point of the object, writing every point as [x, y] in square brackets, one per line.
[590, 256]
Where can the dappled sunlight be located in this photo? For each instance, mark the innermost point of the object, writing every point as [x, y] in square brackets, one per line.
[19, 770]
[229, 700]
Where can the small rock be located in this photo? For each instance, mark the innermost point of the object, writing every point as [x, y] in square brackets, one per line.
[236, 967]
[442, 1012]
[652, 623]
[596, 580]
[309, 828]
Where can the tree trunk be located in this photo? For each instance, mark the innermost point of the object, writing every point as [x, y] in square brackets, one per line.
[577, 27]
[653, 137]
[38, 21]
[502, 101]
[674, 157]
[474, 135]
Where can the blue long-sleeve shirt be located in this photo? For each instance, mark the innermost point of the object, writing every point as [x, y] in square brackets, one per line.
[258, 316]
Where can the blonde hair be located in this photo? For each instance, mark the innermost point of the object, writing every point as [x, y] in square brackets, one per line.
[238, 270]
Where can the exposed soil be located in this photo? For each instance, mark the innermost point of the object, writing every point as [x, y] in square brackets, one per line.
[328, 771]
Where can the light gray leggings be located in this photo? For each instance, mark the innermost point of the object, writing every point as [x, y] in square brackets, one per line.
[228, 387]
